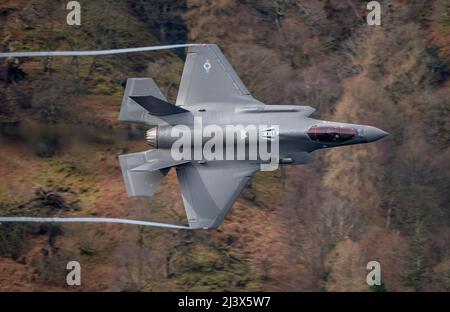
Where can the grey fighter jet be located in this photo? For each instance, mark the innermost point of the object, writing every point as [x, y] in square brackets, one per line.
[211, 91]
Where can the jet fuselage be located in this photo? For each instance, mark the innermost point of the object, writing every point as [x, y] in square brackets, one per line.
[297, 133]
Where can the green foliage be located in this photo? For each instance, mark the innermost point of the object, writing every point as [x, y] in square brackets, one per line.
[13, 239]
[378, 288]
[415, 276]
[87, 251]
[206, 267]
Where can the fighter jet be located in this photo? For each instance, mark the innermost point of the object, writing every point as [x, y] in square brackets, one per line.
[212, 96]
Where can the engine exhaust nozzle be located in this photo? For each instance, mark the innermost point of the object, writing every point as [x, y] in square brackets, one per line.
[152, 137]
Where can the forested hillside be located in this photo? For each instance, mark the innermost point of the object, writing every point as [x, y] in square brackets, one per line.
[302, 228]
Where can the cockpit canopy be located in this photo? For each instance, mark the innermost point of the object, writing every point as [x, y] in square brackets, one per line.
[331, 134]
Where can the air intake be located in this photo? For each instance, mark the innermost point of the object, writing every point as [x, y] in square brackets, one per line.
[152, 136]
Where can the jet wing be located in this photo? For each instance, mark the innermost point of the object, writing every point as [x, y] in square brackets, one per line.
[209, 190]
[209, 78]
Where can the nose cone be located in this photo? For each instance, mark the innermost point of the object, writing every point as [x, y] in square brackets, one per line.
[374, 134]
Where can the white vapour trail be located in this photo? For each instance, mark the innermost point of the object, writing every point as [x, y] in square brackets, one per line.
[96, 53]
[97, 220]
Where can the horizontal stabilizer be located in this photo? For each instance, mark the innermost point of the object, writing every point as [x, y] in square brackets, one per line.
[140, 183]
[133, 112]
[144, 171]
[157, 107]
[158, 164]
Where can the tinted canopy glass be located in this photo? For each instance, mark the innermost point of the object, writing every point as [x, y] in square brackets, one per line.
[329, 134]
